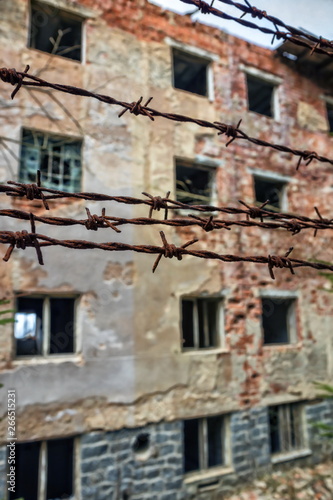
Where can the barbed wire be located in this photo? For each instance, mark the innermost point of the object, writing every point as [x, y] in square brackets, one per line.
[24, 239]
[18, 79]
[291, 35]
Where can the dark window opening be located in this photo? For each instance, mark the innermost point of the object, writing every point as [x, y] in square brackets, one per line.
[44, 326]
[193, 183]
[190, 73]
[269, 189]
[141, 443]
[26, 470]
[55, 31]
[59, 468]
[329, 108]
[57, 157]
[277, 320]
[203, 443]
[200, 323]
[260, 96]
[286, 428]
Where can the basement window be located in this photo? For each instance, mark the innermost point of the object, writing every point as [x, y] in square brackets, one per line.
[268, 188]
[286, 428]
[57, 157]
[55, 31]
[278, 320]
[204, 443]
[260, 94]
[44, 326]
[56, 457]
[194, 183]
[329, 109]
[190, 72]
[202, 322]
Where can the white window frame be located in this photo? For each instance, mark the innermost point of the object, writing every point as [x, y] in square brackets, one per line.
[42, 468]
[273, 177]
[200, 54]
[291, 314]
[328, 102]
[220, 320]
[274, 80]
[46, 329]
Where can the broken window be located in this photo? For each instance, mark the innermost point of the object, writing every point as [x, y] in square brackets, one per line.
[260, 94]
[278, 320]
[57, 157]
[203, 441]
[44, 326]
[201, 322]
[329, 109]
[194, 183]
[267, 188]
[55, 31]
[190, 72]
[286, 428]
[31, 461]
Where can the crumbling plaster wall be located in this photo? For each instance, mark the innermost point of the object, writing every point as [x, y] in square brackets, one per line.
[130, 369]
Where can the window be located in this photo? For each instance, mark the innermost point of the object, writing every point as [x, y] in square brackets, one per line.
[55, 31]
[204, 443]
[268, 188]
[286, 428]
[190, 72]
[260, 94]
[329, 109]
[44, 326]
[44, 467]
[278, 320]
[202, 322]
[194, 183]
[57, 157]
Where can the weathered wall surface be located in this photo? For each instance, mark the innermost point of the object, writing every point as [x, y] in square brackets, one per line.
[130, 370]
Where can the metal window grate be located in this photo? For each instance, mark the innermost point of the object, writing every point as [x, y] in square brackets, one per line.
[201, 322]
[286, 428]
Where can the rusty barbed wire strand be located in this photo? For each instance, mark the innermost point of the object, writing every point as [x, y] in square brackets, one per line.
[19, 79]
[23, 239]
[292, 222]
[95, 222]
[290, 34]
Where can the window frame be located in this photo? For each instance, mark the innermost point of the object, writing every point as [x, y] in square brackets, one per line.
[291, 317]
[81, 14]
[272, 177]
[46, 332]
[46, 136]
[202, 164]
[268, 78]
[220, 323]
[203, 451]
[287, 426]
[42, 467]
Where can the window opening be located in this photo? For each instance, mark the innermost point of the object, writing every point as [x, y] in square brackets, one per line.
[260, 95]
[286, 428]
[194, 183]
[200, 322]
[278, 320]
[190, 72]
[269, 189]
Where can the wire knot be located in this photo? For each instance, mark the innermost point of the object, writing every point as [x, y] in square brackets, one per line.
[228, 130]
[10, 75]
[254, 12]
[294, 226]
[136, 109]
[170, 251]
[31, 191]
[307, 156]
[254, 212]
[203, 7]
[22, 240]
[158, 203]
[96, 221]
[276, 261]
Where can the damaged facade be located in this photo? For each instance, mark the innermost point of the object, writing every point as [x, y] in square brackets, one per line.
[183, 383]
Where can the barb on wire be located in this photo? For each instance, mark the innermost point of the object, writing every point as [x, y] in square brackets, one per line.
[275, 261]
[23, 239]
[96, 221]
[31, 191]
[170, 251]
[229, 130]
[158, 203]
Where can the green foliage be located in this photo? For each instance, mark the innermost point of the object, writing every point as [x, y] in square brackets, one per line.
[325, 430]
[3, 321]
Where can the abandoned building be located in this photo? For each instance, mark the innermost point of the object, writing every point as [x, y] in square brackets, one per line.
[189, 381]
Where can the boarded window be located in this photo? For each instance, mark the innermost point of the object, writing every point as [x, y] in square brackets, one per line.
[201, 322]
[278, 320]
[260, 95]
[203, 441]
[190, 72]
[57, 157]
[194, 183]
[44, 325]
[286, 428]
[329, 108]
[58, 482]
[269, 189]
[55, 31]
